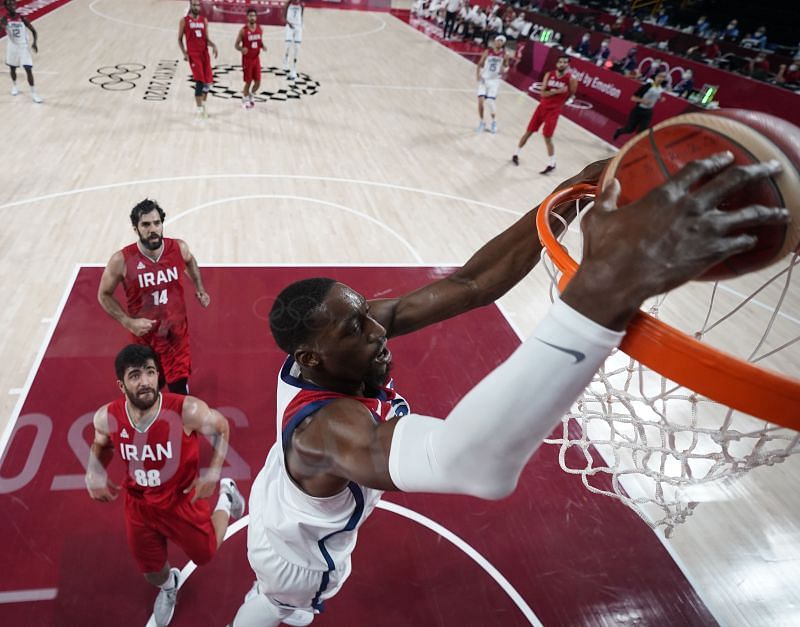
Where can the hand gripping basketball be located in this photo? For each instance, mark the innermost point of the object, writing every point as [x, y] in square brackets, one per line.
[656, 243]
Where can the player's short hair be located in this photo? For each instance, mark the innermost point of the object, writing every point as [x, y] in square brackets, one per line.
[134, 356]
[563, 56]
[291, 319]
[251, 10]
[146, 206]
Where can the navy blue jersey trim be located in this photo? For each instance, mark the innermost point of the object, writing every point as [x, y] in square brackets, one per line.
[358, 496]
[286, 377]
[303, 413]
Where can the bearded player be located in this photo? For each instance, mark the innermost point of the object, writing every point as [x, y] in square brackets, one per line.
[151, 271]
[557, 88]
[155, 435]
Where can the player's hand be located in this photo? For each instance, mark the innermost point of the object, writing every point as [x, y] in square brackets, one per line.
[185, 56]
[35, 48]
[216, 52]
[203, 486]
[664, 239]
[140, 326]
[203, 298]
[101, 489]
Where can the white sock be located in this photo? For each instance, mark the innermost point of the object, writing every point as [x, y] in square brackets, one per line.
[170, 583]
[516, 152]
[224, 503]
[551, 161]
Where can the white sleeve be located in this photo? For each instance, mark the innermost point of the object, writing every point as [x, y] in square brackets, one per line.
[486, 440]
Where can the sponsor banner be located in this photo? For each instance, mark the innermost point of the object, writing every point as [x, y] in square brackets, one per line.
[33, 9]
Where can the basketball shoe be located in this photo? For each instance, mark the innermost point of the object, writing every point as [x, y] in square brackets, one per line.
[481, 127]
[14, 90]
[164, 607]
[238, 504]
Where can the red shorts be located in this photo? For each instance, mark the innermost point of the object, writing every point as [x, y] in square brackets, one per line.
[251, 67]
[200, 62]
[172, 348]
[546, 116]
[185, 523]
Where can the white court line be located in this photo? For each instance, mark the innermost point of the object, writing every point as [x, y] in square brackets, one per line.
[325, 203]
[25, 596]
[299, 177]
[467, 549]
[37, 362]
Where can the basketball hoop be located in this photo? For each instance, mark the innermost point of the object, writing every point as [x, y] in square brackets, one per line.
[644, 413]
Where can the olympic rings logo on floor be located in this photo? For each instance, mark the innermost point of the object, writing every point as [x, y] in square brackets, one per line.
[120, 77]
[295, 89]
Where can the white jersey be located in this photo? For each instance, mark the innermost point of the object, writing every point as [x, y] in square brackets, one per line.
[294, 15]
[17, 32]
[493, 65]
[314, 533]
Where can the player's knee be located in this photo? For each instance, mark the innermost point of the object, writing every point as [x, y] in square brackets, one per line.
[198, 88]
[204, 555]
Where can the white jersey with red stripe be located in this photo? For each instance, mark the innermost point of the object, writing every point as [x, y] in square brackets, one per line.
[314, 533]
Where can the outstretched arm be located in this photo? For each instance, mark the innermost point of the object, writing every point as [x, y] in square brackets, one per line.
[200, 418]
[630, 253]
[488, 274]
[193, 270]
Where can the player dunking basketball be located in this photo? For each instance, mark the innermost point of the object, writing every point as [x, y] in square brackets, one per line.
[293, 17]
[557, 87]
[250, 43]
[155, 434]
[347, 435]
[194, 28]
[491, 66]
[151, 271]
[17, 50]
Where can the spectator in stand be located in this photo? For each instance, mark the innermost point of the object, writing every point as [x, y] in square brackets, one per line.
[662, 19]
[461, 20]
[629, 66]
[470, 22]
[619, 26]
[494, 28]
[731, 32]
[788, 76]
[602, 54]
[451, 8]
[635, 32]
[708, 53]
[685, 86]
[514, 28]
[758, 68]
[583, 46]
[757, 39]
[702, 26]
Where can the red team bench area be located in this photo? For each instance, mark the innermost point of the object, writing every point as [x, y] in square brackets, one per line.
[571, 555]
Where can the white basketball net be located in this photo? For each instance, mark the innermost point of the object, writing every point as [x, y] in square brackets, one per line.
[659, 447]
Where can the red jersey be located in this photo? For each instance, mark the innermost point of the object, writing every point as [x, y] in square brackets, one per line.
[162, 460]
[251, 40]
[554, 81]
[195, 29]
[153, 288]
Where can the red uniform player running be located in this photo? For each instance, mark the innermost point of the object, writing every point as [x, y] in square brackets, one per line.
[250, 43]
[155, 435]
[151, 271]
[194, 28]
[557, 88]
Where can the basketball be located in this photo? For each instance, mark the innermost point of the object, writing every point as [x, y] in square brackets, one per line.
[652, 157]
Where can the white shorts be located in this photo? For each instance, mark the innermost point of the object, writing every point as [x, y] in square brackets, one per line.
[294, 34]
[287, 584]
[17, 55]
[488, 89]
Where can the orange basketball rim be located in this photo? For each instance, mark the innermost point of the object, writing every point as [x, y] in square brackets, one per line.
[680, 357]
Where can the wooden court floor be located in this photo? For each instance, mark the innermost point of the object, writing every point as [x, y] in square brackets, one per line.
[374, 161]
